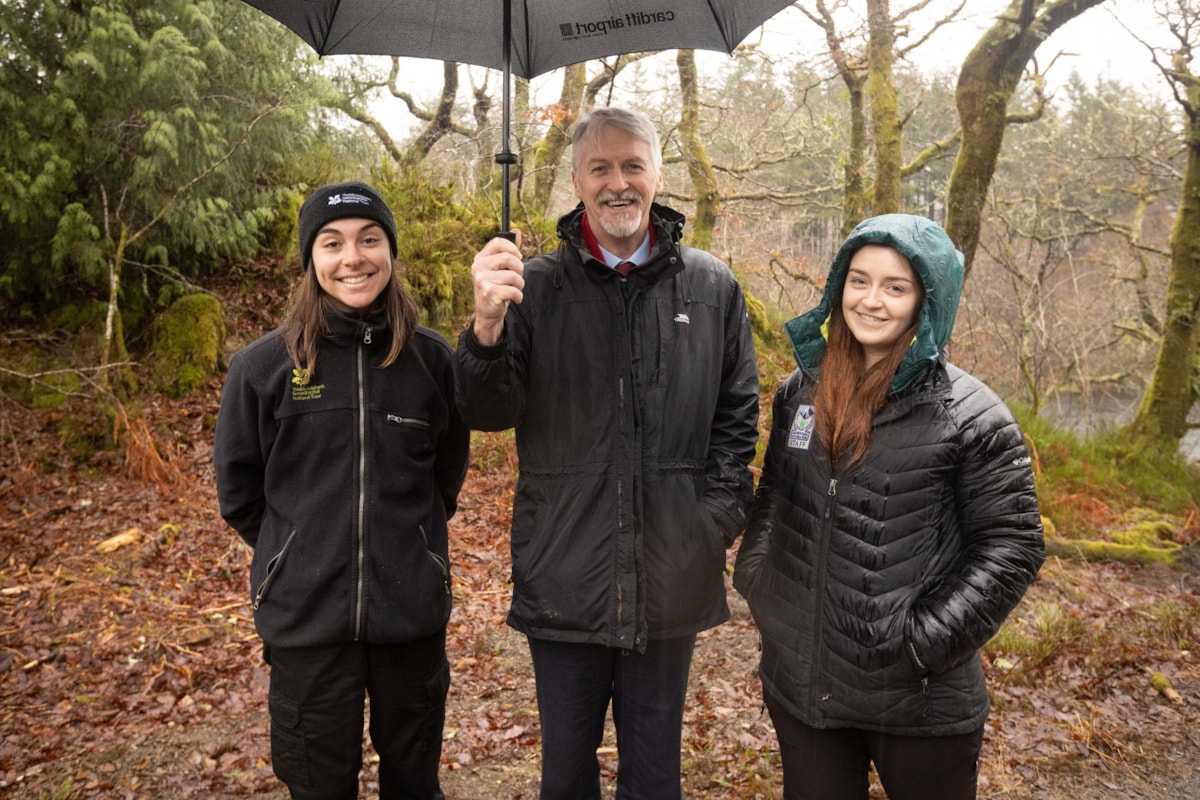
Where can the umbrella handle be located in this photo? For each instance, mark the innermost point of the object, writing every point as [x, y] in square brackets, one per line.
[505, 158]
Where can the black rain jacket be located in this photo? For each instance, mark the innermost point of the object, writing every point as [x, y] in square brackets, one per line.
[343, 486]
[635, 404]
[874, 586]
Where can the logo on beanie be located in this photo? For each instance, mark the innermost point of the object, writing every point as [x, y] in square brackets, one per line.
[349, 197]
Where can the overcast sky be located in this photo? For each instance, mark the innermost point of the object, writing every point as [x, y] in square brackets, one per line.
[1095, 43]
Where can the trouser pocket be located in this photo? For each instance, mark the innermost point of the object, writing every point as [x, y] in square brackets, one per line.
[316, 707]
[289, 753]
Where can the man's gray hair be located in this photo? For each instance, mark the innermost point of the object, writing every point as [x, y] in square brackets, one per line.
[635, 123]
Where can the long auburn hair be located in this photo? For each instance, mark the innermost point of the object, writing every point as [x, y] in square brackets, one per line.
[311, 310]
[847, 395]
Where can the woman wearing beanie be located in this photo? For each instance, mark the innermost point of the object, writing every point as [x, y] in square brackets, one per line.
[894, 527]
[339, 456]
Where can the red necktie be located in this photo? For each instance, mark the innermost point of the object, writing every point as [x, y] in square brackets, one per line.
[624, 268]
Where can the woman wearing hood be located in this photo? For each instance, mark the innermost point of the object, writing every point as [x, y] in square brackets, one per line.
[894, 528]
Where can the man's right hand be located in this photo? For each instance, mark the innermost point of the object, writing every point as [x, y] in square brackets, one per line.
[498, 276]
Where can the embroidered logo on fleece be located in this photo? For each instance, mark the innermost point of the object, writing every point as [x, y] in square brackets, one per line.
[302, 392]
[800, 435]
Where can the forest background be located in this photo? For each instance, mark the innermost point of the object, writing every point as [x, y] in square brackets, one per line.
[153, 156]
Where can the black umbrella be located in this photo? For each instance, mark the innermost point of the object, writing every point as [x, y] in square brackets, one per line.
[535, 36]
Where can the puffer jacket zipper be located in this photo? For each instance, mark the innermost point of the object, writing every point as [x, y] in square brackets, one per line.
[273, 567]
[815, 699]
[362, 485]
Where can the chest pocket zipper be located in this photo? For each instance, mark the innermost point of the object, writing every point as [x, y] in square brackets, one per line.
[273, 567]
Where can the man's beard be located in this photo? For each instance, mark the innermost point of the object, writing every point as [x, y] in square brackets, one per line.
[628, 221]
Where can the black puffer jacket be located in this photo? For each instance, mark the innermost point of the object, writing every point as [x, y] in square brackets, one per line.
[343, 486]
[875, 586]
[635, 405]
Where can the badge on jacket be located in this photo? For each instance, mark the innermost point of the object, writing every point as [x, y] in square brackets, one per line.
[801, 432]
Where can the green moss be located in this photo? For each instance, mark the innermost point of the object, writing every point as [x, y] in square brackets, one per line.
[1090, 550]
[1152, 533]
[189, 344]
[761, 323]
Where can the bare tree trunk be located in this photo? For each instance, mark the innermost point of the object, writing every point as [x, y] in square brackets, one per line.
[853, 72]
[989, 77]
[555, 142]
[442, 120]
[485, 142]
[700, 168]
[114, 292]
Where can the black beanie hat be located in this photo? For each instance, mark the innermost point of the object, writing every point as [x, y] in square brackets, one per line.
[338, 201]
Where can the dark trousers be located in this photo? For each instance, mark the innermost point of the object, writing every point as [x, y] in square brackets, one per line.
[316, 704]
[576, 683]
[832, 764]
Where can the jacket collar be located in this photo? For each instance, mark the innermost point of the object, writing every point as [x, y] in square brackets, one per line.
[351, 325]
[664, 255]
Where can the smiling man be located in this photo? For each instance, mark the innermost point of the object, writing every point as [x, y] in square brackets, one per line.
[625, 362]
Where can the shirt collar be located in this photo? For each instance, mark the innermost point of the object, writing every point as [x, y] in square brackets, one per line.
[639, 256]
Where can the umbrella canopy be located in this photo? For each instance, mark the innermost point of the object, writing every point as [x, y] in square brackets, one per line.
[518, 37]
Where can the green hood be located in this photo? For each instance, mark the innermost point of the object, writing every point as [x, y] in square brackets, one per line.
[937, 263]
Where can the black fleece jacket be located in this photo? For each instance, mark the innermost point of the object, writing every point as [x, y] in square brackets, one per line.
[343, 486]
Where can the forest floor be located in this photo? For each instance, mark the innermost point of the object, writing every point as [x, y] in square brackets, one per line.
[129, 665]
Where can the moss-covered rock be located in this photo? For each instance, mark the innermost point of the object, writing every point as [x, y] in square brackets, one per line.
[189, 344]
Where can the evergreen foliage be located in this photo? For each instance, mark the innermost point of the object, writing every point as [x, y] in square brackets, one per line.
[146, 132]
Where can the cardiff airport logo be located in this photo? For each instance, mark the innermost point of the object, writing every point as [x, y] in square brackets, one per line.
[602, 27]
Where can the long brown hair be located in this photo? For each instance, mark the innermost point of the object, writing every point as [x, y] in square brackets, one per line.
[848, 396]
[311, 310]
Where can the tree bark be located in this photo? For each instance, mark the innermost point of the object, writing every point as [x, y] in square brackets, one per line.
[1162, 414]
[989, 77]
[442, 121]
[555, 142]
[700, 168]
[885, 108]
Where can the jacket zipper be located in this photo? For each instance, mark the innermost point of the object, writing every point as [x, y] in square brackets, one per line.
[362, 488]
[620, 513]
[419, 423]
[814, 701]
[272, 569]
[441, 564]
[912, 650]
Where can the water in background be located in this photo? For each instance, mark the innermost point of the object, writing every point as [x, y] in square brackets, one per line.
[1111, 409]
